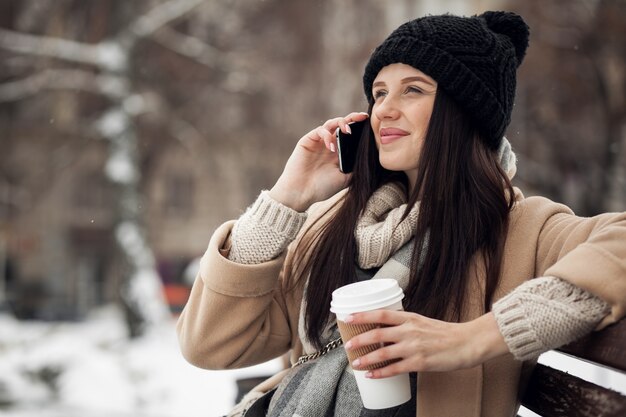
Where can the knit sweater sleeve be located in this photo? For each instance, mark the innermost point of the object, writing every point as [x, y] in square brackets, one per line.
[545, 313]
[264, 231]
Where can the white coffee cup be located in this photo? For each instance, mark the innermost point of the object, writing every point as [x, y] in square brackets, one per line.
[373, 294]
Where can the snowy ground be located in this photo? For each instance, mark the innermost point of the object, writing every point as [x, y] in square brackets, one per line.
[91, 369]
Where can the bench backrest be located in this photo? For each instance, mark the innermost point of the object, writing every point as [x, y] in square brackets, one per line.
[553, 393]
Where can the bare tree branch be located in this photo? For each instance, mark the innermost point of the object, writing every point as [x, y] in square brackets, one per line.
[190, 47]
[53, 79]
[156, 18]
[105, 55]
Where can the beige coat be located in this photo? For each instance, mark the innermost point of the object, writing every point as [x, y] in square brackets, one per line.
[240, 315]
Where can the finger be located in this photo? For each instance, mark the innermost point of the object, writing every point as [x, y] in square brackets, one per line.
[389, 317]
[332, 124]
[383, 354]
[342, 122]
[313, 135]
[328, 138]
[344, 126]
[396, 368]
[378, 337]
[356, 116]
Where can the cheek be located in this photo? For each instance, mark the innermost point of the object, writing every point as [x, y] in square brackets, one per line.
[426, 116]
[420, 132]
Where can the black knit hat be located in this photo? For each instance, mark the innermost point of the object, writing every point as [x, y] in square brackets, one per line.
[473, 59]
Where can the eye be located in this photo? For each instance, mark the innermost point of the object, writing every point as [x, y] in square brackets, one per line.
[379, 93]
[414, 89]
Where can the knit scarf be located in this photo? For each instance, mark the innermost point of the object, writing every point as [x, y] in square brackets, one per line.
[326, 386]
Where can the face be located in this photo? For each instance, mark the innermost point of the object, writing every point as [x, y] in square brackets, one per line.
[403, 103]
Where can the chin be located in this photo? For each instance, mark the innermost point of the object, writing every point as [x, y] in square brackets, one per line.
[392, 164]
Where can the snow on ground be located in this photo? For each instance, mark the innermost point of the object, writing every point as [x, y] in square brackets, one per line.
[91, 369]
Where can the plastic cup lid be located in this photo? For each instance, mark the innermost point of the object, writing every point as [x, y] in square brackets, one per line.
[365, 296]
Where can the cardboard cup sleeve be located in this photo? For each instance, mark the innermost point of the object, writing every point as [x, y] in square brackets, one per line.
[348, 331]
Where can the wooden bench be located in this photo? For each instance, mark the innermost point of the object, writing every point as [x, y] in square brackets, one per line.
[552, 393]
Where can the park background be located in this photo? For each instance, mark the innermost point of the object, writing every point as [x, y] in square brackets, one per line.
[131, 129]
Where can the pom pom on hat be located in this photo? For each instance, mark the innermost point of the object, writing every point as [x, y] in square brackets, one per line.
[473, 59]
[511, 25]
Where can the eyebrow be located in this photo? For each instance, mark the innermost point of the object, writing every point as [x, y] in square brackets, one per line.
[406, 80]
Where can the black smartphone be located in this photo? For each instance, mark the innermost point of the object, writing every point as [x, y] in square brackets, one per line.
[348, 144]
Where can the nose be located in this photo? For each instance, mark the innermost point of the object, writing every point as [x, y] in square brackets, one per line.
[387, 109]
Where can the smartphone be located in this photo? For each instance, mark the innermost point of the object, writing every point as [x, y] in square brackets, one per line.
[348, 144]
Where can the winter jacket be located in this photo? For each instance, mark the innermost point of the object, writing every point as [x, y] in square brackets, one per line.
[240, 315]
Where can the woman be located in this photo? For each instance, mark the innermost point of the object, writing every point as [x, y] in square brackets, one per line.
[492, 279]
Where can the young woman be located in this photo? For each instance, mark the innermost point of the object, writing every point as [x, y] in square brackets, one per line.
[492, 279]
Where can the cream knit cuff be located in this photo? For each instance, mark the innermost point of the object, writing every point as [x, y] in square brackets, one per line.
[546, 313]
[517, 331]
[264, 231]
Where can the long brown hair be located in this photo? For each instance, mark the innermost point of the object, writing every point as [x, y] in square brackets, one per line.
[463, 210]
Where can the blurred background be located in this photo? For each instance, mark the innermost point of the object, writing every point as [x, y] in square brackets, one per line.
[131, 129]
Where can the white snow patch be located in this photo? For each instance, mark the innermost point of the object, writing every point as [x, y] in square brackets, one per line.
[102, 373]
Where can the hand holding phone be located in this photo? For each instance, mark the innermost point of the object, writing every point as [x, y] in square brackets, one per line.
[348, 144]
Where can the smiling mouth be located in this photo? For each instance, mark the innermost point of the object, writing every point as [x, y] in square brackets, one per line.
[391, 134]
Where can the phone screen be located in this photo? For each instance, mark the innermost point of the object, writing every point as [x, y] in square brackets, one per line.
[347, 145]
